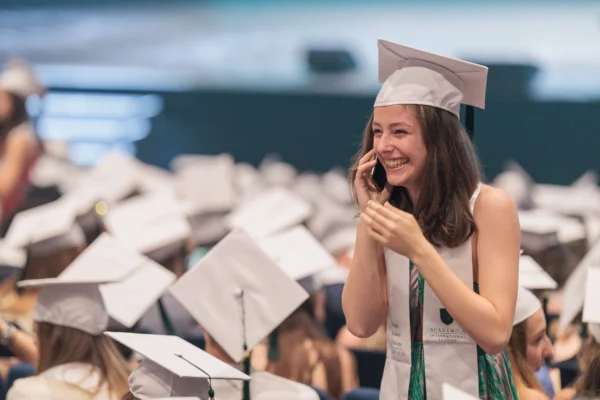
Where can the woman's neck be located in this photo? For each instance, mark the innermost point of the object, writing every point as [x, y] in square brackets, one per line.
[413, 193]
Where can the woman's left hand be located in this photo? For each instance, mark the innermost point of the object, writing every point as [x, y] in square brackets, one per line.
[394, 228]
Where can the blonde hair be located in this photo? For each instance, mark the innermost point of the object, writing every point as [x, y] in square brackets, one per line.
[517, 354]
[61, 345]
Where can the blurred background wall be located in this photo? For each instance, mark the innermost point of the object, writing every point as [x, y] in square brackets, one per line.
[298, 78]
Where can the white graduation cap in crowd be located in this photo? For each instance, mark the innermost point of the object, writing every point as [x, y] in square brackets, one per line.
[329, 217]
[335, 185]
[591, 304]
[152, 223]
[73, 299]
[299, 255]
[309, 187]
[11, 256]
[550, 229]
[276, 172]
[236, 292]
[206, 185]
[589, 179]
[527, 305]
[568, 200]
[52, 171]
[592, 228]
[575, 287]
[154, 179]
[18, 78]
[173, 367]
[45, 229]
[517, 183]
[532, 276]
[248, 181]
[270, 212]
[450, 392]
[412, 76]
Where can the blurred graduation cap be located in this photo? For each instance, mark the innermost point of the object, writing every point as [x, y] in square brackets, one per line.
[527, 305]
[450, 392]
[45, 229]
[335, 185]
[173, 367]
[11, 257]
[299, 255]
[269, 212]
[238, 293]
[568, 200]
[330, 217]
[412, 76]
[276, 172]
[74, 299]
[248, 181]
[575, 287]
[542, 229]
[515, 181]
[153, 224]
[591, 304]
[532, 276]
[309, 187]
[18, 78]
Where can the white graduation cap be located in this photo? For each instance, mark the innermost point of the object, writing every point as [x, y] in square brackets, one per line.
[149, 223]
[18, 78]
[153, 178]
[276, 172]
[340, 239]
[309, 187]
[49, 171]
[248, 181]
[267, 386]
[335, 184]
[532, 276]
[73, 298]
[517, 183]
[127, 300]
[568, 200]
[575, 287]
[450, 392]
[207, 185]
[329, 217]
[236, 290]
[172, 366]
[269, 212]
[298, 253]
[591, 304]
[11, 256]
[542, 223]
[592, 228]
[527, 305]
[46, 229]
[412, 76]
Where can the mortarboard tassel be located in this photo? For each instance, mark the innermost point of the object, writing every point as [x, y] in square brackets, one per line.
[211, 392]
[470, 121]
[167, 324]
[246, 389]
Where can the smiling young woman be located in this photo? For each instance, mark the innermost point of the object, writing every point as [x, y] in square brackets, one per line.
[437, 251]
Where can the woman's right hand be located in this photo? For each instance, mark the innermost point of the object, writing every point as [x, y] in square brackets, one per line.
[363, 183]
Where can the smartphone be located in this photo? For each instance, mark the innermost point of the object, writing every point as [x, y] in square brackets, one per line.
[378, 176]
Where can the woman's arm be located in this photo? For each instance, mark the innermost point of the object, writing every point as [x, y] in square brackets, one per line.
[364, 299]
[487, 317]
[19, 148]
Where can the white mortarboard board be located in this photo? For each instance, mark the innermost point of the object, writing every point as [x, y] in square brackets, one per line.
[176, 367]
[412, 76]
[208, 228]
[450, 392]
[591, 306]
[153, 178]
[49, 171]
[527, 305]
[269, 212]
[208, 184]
[567, 200]
[335, 184]
[592, 228]
[266, 386]
[212, 293]
[329, 216]
[574, 289]
[540, 222]
[128, 300]
[73, 299]
[45, 229]
[149, 222]
[297, 252]
[11, 256]
[532, 276]
[516, 185]
[309, 187]
[248, 181]
[340, 239]
[589, 179]
[276, 172]
[18, 78]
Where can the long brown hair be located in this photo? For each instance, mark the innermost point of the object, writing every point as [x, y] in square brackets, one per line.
[589, 384]
[293, 361]
[517, 354]
[61, 345]
[589, 365]
[451, 175]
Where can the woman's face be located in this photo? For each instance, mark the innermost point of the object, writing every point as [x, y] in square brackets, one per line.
[398, 143]
[5, 105]
[539, 347]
